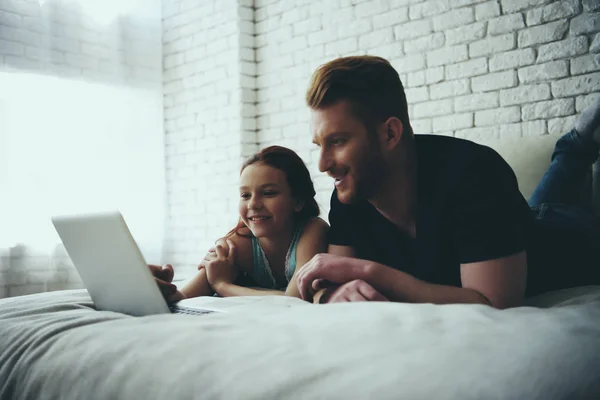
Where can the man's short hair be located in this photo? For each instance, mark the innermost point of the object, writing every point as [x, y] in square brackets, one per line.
[370, 83]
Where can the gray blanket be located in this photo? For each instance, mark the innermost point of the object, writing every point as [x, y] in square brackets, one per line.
[56, 346]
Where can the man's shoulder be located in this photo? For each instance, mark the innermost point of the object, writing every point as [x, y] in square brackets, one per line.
[454, 155]
[447, 145]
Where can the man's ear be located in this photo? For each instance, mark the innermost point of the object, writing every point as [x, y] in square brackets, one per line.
[393, 131]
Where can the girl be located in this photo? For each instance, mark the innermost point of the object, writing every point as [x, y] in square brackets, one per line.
[278, 232]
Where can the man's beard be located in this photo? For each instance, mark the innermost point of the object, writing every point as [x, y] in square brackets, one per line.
[368, 174]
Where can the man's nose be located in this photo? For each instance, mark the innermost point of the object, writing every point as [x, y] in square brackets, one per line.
[325, 162]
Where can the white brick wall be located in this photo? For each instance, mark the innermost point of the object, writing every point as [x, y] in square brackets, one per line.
[236, 71]
[471, 68]
[60, 38]
[210, 117]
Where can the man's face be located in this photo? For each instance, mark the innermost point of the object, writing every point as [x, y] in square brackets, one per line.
[349, 152]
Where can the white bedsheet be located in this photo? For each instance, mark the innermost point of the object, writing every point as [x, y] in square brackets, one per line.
[55, 346]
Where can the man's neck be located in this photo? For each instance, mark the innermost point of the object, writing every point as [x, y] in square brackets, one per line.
[396, 198]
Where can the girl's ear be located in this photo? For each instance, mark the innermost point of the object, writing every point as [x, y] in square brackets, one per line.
[299, 206]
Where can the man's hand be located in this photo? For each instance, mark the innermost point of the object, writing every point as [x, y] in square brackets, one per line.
[356, 290]
[220, 265]
[163, 277]
[328, 268]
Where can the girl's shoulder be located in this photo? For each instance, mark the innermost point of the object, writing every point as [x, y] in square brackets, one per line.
[314, 229]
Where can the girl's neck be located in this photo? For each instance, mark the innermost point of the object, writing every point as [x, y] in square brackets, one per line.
[276, 246]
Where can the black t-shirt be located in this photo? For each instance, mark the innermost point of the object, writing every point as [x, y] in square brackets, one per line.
[469, 209]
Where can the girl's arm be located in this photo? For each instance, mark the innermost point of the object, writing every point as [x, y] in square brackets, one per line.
[313, 241]
[198, 286]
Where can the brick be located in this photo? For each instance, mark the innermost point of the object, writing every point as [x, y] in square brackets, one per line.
[449, 89]
[560, 9]
[542, 34]
[416, 95]
[492, 45]
[510, 130]
[584, 64]
[20, 35]
[415, 79]
[371, 8]
[583, 102]
[293, 45]
[421, 126]
[474, 102]
[548, 109]
[432, 108]
[557, 126]
[307, 26]
[10, 19]
[413, 29]
[425, 43]
[452, 122]
[22, 63]
[11, 48]
[477, 134]
[434, 75]
[487, 10]
[534, 128]
[447, 55]
[591, 5]
[505, 115]
[391, 18]
[534, 17]
[465, 34]
[512, 59]
[542, 72]
[524, 94]
[354, 28]
[409, 63]
[388, 51]
[585, 23]
[595, 46]
[564, 49]
[428, 8]
[505, 24]
[320, 37]
[465, 69]
[511, 6]
[376, 38]
[498, 80]
[292, 16]
[452, 19]
[341, 47]
[461, 3]
[582, 84]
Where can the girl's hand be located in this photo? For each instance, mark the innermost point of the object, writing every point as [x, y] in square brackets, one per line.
[220, 266]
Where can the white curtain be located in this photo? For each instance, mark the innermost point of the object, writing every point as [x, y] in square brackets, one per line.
[81, 129]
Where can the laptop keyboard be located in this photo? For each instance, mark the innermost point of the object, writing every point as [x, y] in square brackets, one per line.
[190, 311]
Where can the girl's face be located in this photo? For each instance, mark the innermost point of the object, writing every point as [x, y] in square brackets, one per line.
[266, 204]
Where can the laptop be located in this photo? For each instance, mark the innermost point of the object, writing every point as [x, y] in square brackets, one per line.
[113, 268]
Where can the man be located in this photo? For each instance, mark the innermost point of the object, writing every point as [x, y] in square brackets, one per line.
[425, 218]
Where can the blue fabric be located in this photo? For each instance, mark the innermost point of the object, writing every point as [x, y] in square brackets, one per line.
[261, 269]
[565, 244]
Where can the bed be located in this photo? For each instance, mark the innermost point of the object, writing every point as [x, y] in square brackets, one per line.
[56, 346]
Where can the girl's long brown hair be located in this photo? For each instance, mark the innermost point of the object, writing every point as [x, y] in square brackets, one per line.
[297, 177]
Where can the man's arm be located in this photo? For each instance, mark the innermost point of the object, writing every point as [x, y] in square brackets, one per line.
[343, 251]
[500, 283]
